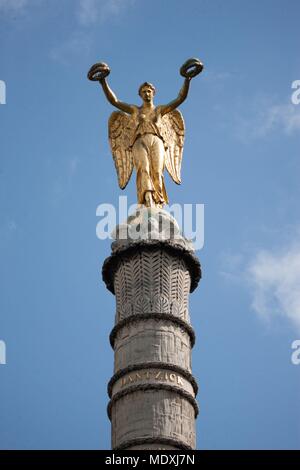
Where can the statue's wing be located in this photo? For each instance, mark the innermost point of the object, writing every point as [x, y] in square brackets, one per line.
[120, 132]
[172, 131]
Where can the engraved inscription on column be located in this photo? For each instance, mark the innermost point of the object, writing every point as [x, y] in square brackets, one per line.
[153, 376]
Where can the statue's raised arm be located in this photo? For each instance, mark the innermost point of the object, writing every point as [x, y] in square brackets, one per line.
[98, 72]
[189, 69]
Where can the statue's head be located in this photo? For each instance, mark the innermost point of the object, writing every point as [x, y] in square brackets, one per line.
[147, 91]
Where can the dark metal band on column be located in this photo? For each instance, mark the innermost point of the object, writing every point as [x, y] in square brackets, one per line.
[175, 444]
[154, 316]
[145, 387]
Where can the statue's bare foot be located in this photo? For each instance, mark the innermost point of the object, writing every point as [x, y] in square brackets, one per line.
[148, 199]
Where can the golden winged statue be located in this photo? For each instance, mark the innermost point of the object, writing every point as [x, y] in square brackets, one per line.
[148, 138]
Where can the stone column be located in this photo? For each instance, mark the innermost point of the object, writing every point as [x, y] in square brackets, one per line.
[152, 393]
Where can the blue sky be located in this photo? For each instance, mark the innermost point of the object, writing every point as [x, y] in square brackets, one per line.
[241, 159]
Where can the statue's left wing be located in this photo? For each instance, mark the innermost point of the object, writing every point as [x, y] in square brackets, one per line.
[120, 131]
[172, 131]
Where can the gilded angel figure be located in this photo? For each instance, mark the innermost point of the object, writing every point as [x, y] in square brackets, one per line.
[148, 138]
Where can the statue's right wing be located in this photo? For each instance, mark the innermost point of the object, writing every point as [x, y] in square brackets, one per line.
[120, 131]
[172, 131]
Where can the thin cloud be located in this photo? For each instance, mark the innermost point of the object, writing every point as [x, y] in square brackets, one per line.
[11, 8]
[73, 166]
[12, 5]
[264, 119]
[78, 44]
[217, 76]
[93, 11]
[272, 278]
[231, 266]
[12, 226]
[7, 231]
[285, 117]
[275, 280]
[63, 185]
[88, 12]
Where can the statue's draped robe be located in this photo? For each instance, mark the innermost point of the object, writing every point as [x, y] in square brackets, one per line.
[148, 142]
[148, 152]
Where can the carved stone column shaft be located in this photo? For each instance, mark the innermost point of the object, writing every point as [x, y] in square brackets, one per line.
[152, 392]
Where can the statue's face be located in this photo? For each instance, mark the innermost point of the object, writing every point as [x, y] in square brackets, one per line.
[147, 94]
